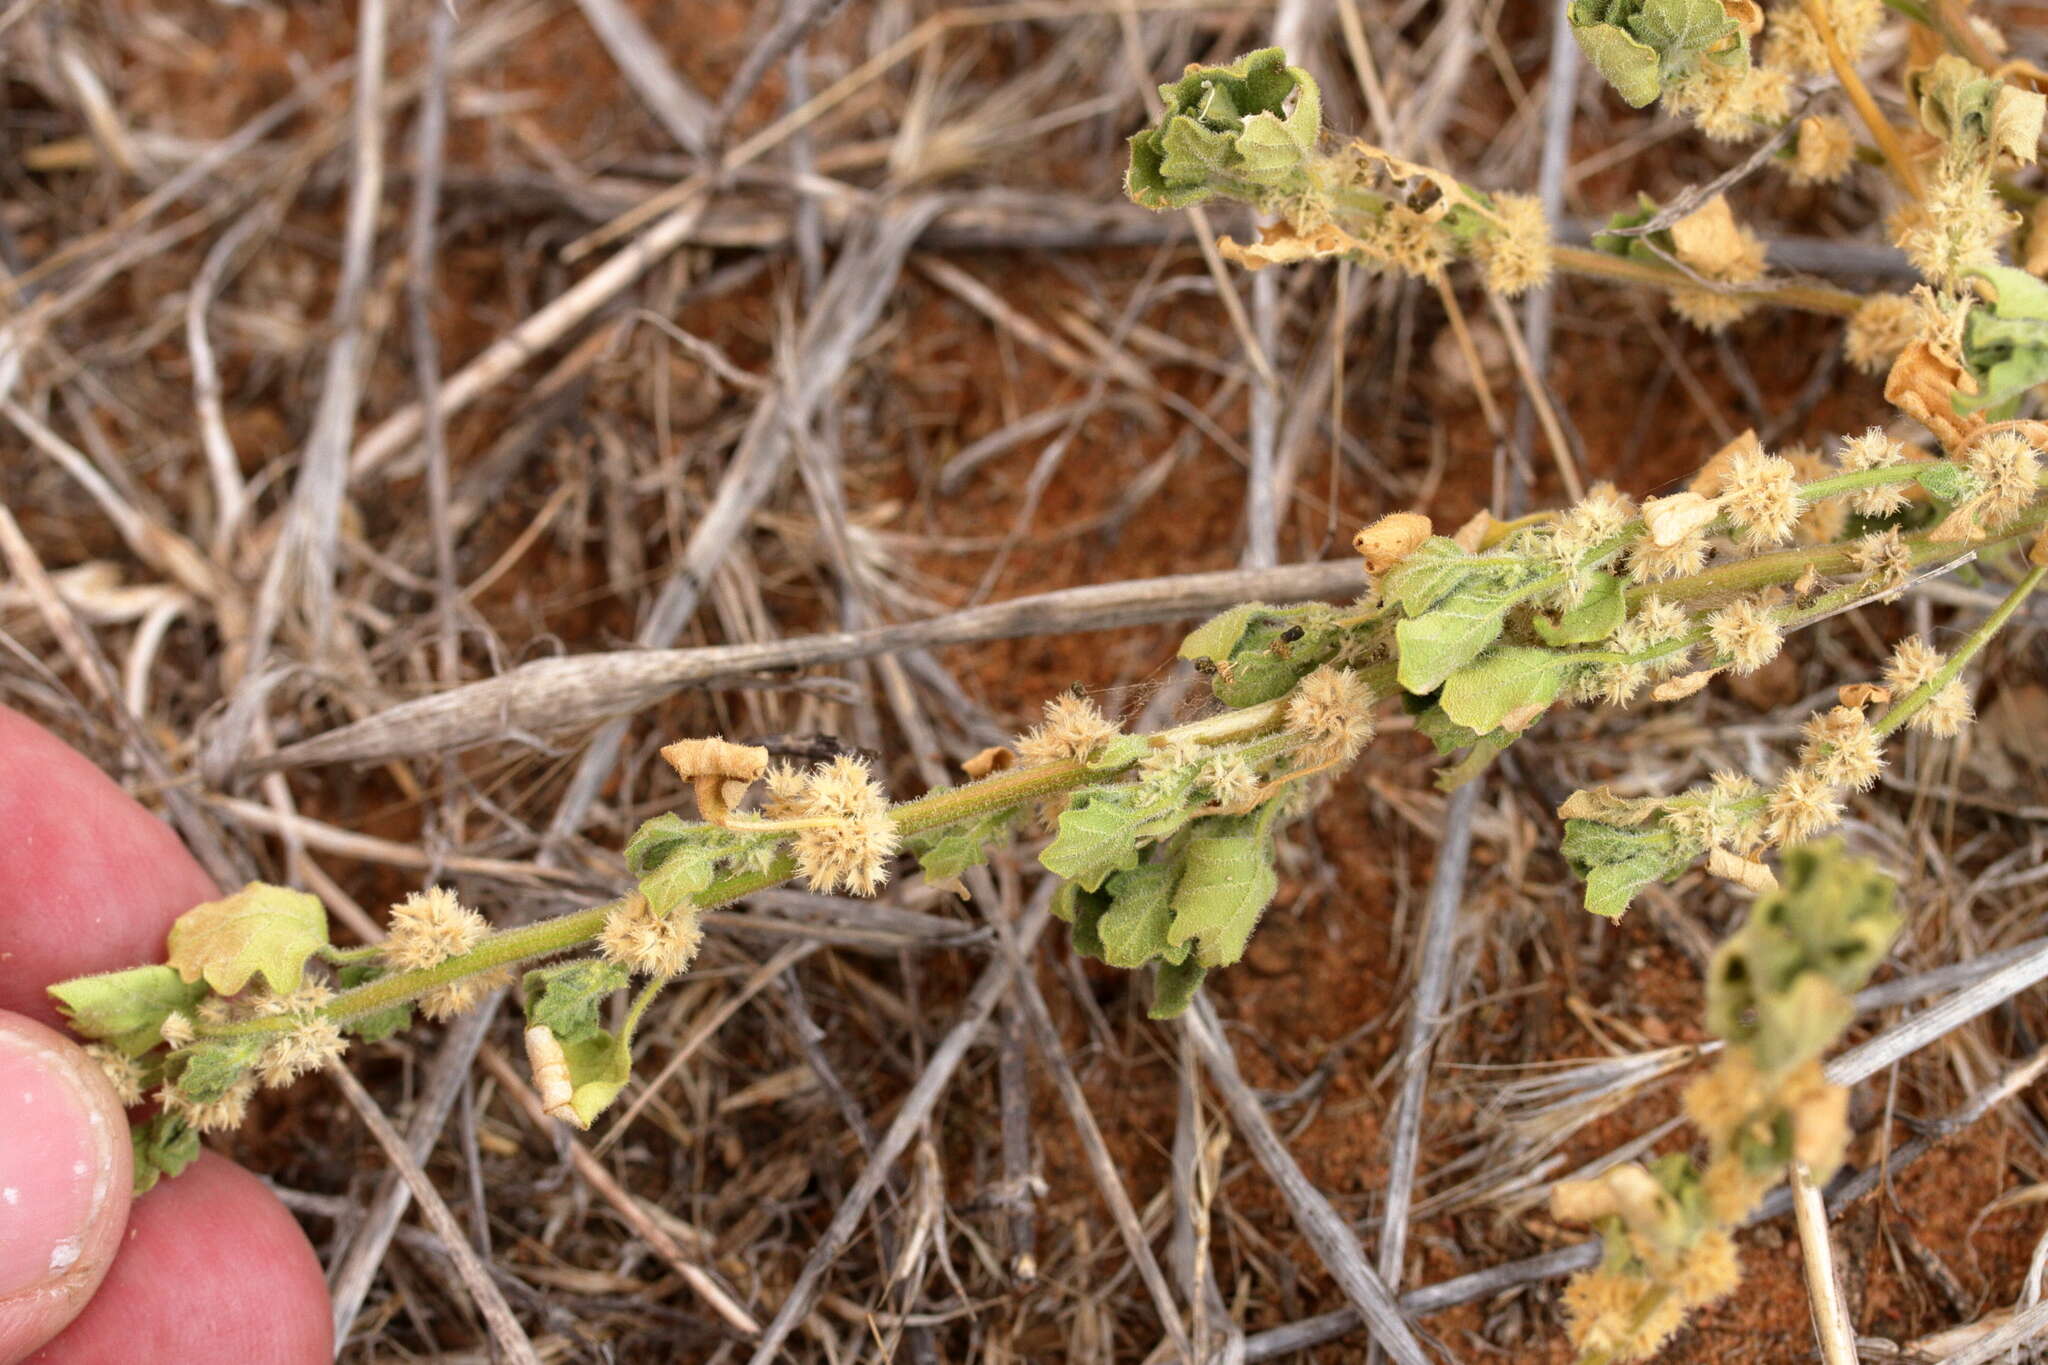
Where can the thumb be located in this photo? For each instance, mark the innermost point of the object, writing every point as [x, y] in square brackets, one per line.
[65, 1175]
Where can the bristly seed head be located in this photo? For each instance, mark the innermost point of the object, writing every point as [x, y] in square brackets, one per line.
[1762, 498]
[429, 927]
[1073, 728]
[651, 944]
[311, 1044]
[462, 996]
[1946, 712]
[852, 851]
[123, 1072]
[1842, 749]
[177, 1030]
[1332, 709]
[1913, 662]
[1884, 558]
[1230, 780]
[1649, 562]
[2006, 463]
[1802, 806]
[1747, 631]
[1875, 450]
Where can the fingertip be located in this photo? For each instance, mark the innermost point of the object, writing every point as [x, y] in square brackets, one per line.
[65, 1173]
[89, 880]
[213, 1267]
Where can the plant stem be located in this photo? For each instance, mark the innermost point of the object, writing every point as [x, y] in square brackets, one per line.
[1601, 265]
[1020, 785]
[1886, 136]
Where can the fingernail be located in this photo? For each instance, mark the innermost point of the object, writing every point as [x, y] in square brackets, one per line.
[55, 1170]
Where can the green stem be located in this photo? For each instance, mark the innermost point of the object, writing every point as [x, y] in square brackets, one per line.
[566, 932]
[1041, 781]
[1902, 710]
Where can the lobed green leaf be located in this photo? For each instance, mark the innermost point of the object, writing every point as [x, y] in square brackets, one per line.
[126, 1009]
[566, 998]
[261, 930]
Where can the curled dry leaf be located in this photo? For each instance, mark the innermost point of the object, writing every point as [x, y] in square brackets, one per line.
[1860, 695]
[1582, 1201]
[1670, 520]
[1710, 241]
[1747, 14]
[1399, 171]
[1923, 384]
[1679, 688]
[1744, 872]
[1713, 474]
[1285, 244]
[551, 1074]
[720, 771]
[714, 757]
[1960, 526]
[2034, 259]
[1602, 804]
[2037, 553]
[990, 760]
[1471, 537]
[2016, 117]
[1391, 539]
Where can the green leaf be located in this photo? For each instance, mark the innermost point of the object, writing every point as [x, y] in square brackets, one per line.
[1226, 130]
[1450, 635]
[1781, 983]
[1098, 835]
[1641, 46]
[1274, 650]
[653, 841]
[1216, 638]
[946, 854]
[687, 870]
[1173, 988]
[1598, 615]
[126, 1009]
[1439, 729]
[1452, 776]
[1626, 62]
[206, 1071]
[2005, 342]
[1506, 679]
[1955, 100]
[1226, 880]
[599, 1067]
[374, 1028]
[1681, 28]
[1133, 930]
[673, 861]
[566, 998]
[164, 1146]
[1428, 575]
[1946, 480]
[1083, 910]
[1617, 863]
[261, 930]
[1101, 829]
